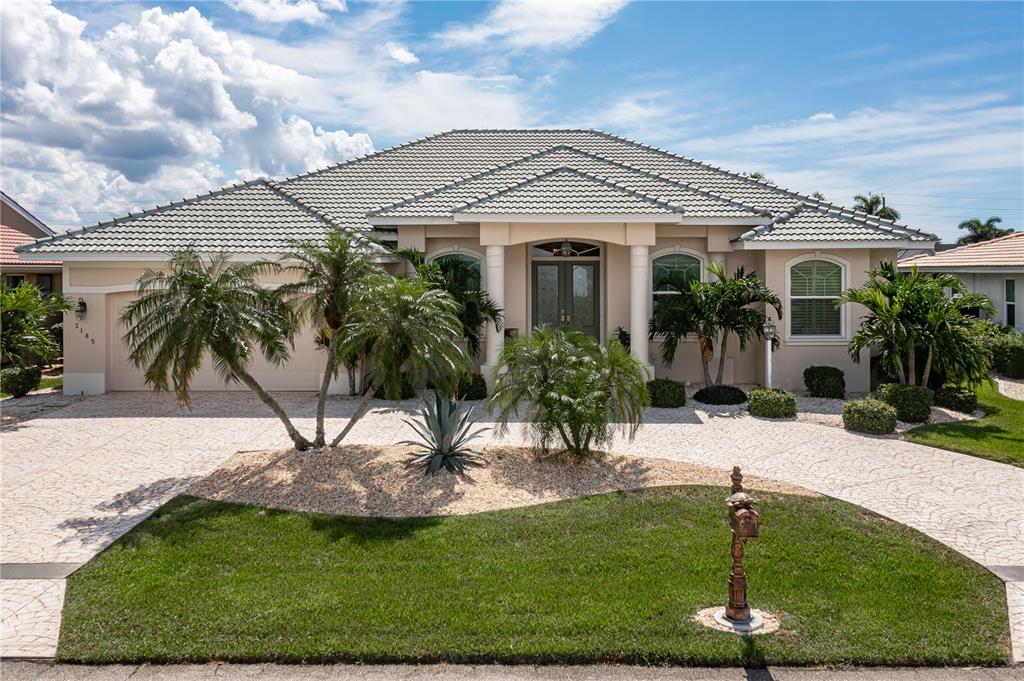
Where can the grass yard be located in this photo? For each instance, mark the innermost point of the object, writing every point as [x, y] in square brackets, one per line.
[998, 436]
[614, 577]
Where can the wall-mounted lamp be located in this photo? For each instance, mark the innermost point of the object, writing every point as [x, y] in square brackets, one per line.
[81, 309]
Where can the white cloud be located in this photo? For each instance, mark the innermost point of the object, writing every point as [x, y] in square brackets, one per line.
[287, 11]
[524, 24]
[401, 53]
[823, 116]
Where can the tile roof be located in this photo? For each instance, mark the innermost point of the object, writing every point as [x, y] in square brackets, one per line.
[817, 222]
[1002, 252]
[10, 239]
[433, 175]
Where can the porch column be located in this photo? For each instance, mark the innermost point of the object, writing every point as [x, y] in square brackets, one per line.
[495, 263]
[639, 315]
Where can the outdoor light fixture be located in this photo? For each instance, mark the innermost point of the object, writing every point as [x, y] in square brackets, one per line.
[566, 249]
[769, 328]
[769, 337]
[81, 309]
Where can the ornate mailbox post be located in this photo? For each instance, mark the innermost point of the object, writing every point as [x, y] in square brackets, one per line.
[745, 521]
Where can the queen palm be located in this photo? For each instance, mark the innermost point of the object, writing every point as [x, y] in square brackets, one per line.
[978, 231]
[408, 327]
[330, 277]
[209, 306]
[874, 204]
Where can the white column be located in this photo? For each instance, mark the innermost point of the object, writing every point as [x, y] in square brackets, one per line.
[495, 264]
[717, 257]
[639, 297]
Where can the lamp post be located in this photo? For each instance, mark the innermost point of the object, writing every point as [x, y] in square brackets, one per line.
[769, 337]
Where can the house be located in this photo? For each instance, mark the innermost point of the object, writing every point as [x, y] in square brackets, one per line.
[995, 268]
[17, 228]
[567, 226]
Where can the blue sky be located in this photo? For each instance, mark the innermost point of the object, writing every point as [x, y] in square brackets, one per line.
[115, 106]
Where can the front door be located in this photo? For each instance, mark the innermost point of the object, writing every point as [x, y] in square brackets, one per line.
[566, 294]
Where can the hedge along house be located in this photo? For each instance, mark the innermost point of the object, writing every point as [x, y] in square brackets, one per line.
[569, 227]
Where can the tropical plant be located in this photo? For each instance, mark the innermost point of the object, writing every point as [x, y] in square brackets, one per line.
[19, 381]
[708, 310]
[24, 311]
[771, 403]
[869, 416]
[572, 390]
[199, 306]
[957, 398]
[471, 386]
[874, 204]
[1008, 355]
[666, 393]
[330, 276]
[445, 430]
[409, 329]
[460, 277]
[825, 381]
[978, 231]
[720, 394]
[913, 404]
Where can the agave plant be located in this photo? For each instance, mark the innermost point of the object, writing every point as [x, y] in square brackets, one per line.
[445, 430]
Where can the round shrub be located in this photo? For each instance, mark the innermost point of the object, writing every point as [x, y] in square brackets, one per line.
[666, 393]
[720, 394]
[869, 416]
[825, 382]
[956, 398]
[1008, 355]
[408, 390]
[913, 403]
[471, 387]
[771, 403]
[18, 381]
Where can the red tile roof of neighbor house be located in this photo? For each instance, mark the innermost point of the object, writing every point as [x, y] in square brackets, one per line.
[1004, 252]
[10, 238]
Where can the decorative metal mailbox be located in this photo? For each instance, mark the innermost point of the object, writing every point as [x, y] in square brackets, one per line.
[745, 523]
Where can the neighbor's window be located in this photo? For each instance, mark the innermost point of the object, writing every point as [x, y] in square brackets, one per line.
[1011, 303]
[44, 282]
[15, 280]
[814, 289]
[680, 268]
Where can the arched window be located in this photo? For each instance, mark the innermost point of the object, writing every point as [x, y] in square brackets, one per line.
[814, 290]
[679, 268]
[462, 268]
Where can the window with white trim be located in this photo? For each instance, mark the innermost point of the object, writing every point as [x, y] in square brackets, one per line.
[680, 268]
[1010, 302]
[814, 290]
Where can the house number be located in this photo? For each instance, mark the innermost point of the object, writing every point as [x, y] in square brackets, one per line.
[82, 331]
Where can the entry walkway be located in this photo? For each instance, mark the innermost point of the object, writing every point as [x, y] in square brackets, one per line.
[77, 477]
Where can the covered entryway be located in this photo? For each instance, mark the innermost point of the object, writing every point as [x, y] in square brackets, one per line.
[566, 286]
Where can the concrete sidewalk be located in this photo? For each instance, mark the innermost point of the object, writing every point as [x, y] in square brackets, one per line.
[15, 671]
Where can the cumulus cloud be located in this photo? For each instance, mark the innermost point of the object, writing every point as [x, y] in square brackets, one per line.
[519, 24]
[287, 11]
[401, 53]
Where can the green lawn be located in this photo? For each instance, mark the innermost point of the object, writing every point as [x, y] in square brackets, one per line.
[999, 435]
[610, 578]
[47, 382]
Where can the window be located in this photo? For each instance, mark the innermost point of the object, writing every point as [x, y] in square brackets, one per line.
[45, 283]
[565, 249]
[814, 289]
[461, 269]
[1011, 303]
[679, 268]
[15, 280]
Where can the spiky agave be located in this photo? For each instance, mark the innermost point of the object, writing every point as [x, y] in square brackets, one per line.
[445, 430]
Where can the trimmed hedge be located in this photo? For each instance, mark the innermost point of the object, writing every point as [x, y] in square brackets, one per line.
[666, 393]
[771, 403]
[913, 403]
[1008, 355]
[956, 398]
[19, 381]
[825, 382]
[869, 416]
[471, 386]
[720, 394]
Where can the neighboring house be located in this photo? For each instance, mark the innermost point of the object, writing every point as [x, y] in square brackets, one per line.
[17, 228]
[568, 226]
[995, 268]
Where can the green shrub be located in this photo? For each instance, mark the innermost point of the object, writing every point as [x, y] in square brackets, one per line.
[408, 389]
[825, 382]
[18, 381]
[913, 403]
[869, 416]
[956, 398]
[667, 393]
[720, 394]
[471, 386]
[771, 403]
[1008, 355]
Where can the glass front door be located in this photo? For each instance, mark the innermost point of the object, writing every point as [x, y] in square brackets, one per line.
[566, 294]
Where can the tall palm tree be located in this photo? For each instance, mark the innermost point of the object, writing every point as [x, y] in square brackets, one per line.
[209, 306]
[330, 278]
[409, 327]
[978, 231]
[733, 297]
[874, 204]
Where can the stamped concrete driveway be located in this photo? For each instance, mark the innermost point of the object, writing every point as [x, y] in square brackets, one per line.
[76, 478]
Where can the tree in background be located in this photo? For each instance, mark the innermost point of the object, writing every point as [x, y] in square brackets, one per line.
[874, 204]
[24, 311]
[978, 231]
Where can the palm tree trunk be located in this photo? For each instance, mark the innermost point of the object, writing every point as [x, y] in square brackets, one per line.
[721, 359]
[926, 374]
[325, 385]
[300, 442]
[911, 366]
[351, 379]
[706, 350]
[364, 406]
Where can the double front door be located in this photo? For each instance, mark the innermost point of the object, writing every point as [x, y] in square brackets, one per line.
[566, 294]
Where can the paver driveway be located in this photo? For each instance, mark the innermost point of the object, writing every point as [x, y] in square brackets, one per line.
[78, 477]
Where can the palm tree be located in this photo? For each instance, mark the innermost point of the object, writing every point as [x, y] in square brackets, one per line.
[948, 333]
[873, 204]
[733, 297]
[408, 327]
[209, 306]
[23, 314]
[330, 278]
[978, 231]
